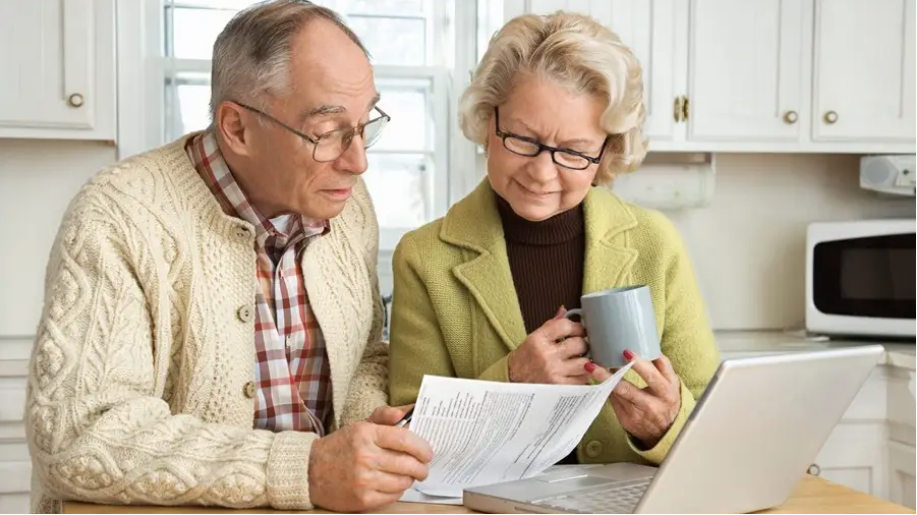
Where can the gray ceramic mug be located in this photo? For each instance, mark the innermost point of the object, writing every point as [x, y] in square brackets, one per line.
[616, 320]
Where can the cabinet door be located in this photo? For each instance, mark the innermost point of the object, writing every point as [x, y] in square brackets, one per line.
[649, 28]
[864, 65]
[854, 456]
[746, 70]
[901, 474]
[52, 68]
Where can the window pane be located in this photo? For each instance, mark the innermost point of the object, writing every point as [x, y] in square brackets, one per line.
[195, 30]
[406, 102]
[188, 97]
[490, 19]
[397, 184]
[385, 6]
[392, 40]
[215, 4]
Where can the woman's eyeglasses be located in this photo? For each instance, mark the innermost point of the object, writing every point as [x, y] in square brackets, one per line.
[529, 147]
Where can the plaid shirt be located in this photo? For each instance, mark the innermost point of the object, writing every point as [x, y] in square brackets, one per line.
[292, 373]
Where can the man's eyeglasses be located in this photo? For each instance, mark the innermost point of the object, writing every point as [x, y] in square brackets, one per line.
[332, 144]
[529, 147]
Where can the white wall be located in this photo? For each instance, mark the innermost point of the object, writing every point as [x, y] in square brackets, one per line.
[37, 181]
[748, 247]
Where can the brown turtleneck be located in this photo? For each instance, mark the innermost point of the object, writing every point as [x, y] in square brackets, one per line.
[546, 260]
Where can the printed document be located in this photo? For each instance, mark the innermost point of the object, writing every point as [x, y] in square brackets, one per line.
[485, 432]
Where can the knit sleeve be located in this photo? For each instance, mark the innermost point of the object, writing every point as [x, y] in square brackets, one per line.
[417, 343]
[686, 339]
[98, 427]
[368, 389]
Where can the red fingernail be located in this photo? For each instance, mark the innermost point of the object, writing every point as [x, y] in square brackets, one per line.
[628, 355]
[589, 367]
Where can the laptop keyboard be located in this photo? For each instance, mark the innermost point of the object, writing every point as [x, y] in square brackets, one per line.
[617, 497]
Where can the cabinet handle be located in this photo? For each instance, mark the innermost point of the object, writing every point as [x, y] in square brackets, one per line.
[790, 117]
[76, 100]
[831, 117]
[814, 470]
[678, 110]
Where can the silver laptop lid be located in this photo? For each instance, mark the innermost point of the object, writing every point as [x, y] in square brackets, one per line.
[754, 433]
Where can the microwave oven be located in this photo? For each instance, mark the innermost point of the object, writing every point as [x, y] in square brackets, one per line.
[860, 278]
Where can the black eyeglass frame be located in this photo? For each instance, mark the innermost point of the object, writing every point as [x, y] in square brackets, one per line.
[504, 135]
[315, 141]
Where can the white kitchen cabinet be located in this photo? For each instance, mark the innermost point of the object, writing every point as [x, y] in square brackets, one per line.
[649, 28]
[902, 477]
[864, 62]
[901, 455]
[763, 75]
[15, 465]
[854, 456]
[58, 62]
[855, 453]
[746, 70]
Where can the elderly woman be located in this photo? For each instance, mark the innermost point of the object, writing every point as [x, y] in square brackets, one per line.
[557, 104]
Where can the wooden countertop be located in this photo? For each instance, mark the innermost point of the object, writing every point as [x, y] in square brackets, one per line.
[813, 495]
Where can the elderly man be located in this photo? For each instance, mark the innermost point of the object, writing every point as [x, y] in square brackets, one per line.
[212, 312]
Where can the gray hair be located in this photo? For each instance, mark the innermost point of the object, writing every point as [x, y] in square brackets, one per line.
[251, 56]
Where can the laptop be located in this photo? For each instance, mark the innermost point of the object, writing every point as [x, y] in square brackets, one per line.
[749, 440]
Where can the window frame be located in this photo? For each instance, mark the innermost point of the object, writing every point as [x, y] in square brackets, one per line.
[143, 71]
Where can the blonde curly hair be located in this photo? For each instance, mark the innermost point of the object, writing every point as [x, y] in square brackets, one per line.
[578, 53]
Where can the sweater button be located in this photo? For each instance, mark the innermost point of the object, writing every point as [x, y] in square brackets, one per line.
[594, 449]
[241, 233]
[249, 389]
[245, 314]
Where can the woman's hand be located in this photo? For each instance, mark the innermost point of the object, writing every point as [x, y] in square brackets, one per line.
[649, 412]
[552, 354]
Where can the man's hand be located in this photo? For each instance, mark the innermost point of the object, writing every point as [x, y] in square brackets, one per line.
[367, 465]
[389, 416]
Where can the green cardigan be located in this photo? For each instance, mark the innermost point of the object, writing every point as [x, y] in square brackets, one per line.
[455, 311]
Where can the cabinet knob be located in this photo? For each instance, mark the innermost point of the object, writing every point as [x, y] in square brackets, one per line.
[76, 100]
[814, 470]
[830, 117]
[790, 117]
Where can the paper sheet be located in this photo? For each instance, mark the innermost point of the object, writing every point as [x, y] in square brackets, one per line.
[412, 495]
[485, 432]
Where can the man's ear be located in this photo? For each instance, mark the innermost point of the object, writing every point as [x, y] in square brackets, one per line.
[232, 124]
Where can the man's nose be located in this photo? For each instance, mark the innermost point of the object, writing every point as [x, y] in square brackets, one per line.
[353, 160]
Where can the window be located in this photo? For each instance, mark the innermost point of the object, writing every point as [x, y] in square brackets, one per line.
[412, 51]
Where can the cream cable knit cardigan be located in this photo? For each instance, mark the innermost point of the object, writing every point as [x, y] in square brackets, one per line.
[137, 378]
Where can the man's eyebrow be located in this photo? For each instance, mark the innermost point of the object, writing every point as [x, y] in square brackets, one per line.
[326, 109]
[374, 101]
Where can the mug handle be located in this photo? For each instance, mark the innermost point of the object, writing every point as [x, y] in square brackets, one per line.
[579, 312]
[573, 312]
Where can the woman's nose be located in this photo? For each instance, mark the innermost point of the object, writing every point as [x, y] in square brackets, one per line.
[542, 168]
